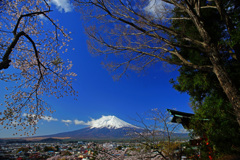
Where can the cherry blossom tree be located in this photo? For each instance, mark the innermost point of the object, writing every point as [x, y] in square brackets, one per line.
[159, 138]
[31, 44]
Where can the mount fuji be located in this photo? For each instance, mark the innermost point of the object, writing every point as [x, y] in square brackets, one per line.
[110, 122]
[107, 127]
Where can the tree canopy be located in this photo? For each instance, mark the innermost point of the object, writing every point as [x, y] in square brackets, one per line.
[136, 34]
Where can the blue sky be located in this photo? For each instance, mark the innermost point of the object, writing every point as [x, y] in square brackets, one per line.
[99, 94]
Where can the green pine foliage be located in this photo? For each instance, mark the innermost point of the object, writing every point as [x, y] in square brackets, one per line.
[214, 117]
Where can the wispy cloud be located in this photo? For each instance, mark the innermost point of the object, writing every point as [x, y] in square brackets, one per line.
[67, 122]
[182, 130]
[62, 5]
[42, 17]
[46, 118]
[77, 122]
[158, 8]
[89, 123]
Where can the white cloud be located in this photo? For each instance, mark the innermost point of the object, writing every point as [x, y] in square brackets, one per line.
[62, 5]
[182, 130]
[89, 123]
[42, 17]
[158, 8]
[169, 119]
[77, 122]
[67, 122]
[46, 118]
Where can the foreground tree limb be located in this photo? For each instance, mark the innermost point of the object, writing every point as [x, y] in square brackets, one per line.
[33, 52]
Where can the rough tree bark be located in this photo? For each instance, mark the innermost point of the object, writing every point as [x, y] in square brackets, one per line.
[227, 85]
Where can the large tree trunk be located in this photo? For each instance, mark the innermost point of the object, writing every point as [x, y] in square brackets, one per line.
[226, 83]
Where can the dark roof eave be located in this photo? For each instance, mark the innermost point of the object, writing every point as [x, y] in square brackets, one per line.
[180, 114]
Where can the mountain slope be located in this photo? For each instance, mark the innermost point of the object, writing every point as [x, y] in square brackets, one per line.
[98, 133]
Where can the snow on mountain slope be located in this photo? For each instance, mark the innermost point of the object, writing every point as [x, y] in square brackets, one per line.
[110, 122]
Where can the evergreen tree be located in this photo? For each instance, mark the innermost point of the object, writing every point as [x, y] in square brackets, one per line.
[214, 115]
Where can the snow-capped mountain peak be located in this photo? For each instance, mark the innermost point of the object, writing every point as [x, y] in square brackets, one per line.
[110, 122]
